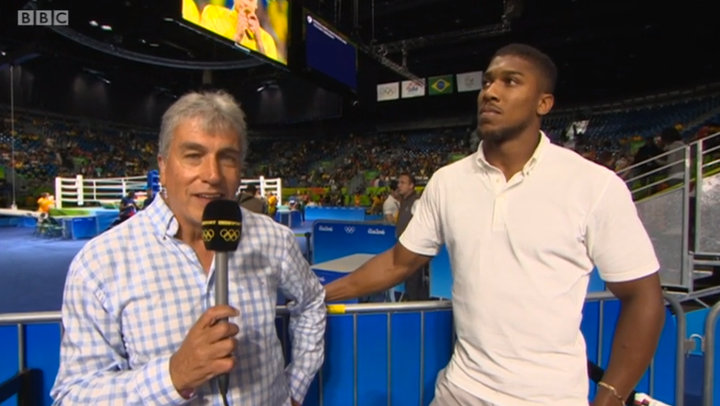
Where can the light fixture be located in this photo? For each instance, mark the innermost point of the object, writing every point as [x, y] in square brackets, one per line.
[93, 23]
[106, 27]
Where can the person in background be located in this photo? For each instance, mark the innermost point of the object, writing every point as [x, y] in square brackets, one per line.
[249, 200]
[391, 206]
[416, 285]
[240, 24]
[149, 197]
[138, 315]
[45, 203]
[525, 222]
[128, 206]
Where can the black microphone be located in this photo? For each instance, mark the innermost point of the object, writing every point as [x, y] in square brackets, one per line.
[221, 231]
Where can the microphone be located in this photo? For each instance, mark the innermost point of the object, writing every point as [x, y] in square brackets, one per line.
[221, 231]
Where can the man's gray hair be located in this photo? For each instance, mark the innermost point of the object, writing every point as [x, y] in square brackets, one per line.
[216, 110]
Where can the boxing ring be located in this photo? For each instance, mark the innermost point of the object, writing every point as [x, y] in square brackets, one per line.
[85, 207]
[80, 191]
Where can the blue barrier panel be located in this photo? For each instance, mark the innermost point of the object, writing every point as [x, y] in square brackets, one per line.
[80, 228]
[290, 218]
[44, 339]
[105, 218]
[598, 328]
[335, 213]
[408, 348]
[27, 221]
[363, 350]
[9, 358]
[333, 240]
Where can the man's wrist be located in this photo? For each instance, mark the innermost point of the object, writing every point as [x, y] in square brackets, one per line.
[605, 397]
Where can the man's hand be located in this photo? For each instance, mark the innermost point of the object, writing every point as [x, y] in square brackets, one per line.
[254, 27]
[294, 402]
[206, 351]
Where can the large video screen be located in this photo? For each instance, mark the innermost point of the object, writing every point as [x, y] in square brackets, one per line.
[328, 52]
[258, 25]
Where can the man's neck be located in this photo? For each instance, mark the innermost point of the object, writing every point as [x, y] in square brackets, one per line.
[511, 156]
[190, 236]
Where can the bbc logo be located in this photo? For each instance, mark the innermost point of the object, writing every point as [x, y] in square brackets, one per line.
[43, 17]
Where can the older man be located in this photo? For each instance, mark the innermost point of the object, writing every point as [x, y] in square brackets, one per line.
[138, 308]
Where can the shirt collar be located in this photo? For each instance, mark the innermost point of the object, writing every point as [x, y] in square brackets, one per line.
[162, 218]
[530, 165]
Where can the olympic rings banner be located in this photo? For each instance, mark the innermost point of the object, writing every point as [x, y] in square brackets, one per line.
[337, 239]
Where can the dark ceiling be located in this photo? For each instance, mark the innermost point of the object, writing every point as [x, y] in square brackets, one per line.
[604, 49]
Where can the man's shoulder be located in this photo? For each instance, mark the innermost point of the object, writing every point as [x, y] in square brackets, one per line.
[263, 225]
[457, 170]
[574, 167]
[102, 252]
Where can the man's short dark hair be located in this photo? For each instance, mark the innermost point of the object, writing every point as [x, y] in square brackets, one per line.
[409, 176]
[393, 185]
[251, 189]
[545, 66]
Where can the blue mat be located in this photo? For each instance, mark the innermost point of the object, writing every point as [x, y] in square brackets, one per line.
[33, 269]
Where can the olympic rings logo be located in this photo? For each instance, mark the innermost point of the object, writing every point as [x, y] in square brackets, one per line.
[229, 234]
[208, 235]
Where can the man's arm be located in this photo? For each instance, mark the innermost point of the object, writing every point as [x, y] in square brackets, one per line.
[418, 244]
[620, 247]
[638, 330]
[307, 319]
[93, 363]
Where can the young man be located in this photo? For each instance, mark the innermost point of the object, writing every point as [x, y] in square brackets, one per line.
[524, 222]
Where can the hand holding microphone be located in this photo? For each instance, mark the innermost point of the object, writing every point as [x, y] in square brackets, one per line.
[207, 350]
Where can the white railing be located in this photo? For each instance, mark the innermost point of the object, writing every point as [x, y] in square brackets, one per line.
[79, 191]
[265, 186]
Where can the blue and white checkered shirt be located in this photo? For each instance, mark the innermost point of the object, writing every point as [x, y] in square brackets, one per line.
[133, 293]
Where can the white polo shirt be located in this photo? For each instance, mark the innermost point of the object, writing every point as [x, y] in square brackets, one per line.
[521, 253]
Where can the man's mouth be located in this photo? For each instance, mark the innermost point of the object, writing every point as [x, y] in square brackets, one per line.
[209, 196]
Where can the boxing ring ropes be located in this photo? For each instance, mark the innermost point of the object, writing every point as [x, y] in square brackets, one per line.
[424, 309]
[79, 191]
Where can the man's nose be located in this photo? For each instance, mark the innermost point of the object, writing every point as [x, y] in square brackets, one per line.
[489, 93]
[211, 170]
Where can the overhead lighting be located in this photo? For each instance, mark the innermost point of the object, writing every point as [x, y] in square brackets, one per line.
[168, 19]
[2, 53]
[106, 27]
[260, 89]
[94, 23]
[154, 45]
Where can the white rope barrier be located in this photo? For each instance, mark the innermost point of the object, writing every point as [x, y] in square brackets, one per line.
[79, 191]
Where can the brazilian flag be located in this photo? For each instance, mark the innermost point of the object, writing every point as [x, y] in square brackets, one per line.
[441, 85]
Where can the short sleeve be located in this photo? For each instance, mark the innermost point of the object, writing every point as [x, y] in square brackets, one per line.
[616, 239]
[424, 233]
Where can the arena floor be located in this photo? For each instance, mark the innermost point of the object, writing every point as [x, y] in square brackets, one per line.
[33, 269]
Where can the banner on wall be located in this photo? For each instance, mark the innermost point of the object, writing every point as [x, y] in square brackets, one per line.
[413, 88]
[388, 91]
[469, 81]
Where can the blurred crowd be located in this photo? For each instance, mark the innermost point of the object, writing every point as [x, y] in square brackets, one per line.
[358, 164]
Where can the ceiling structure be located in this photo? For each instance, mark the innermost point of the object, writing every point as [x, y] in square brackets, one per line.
[603, 48]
